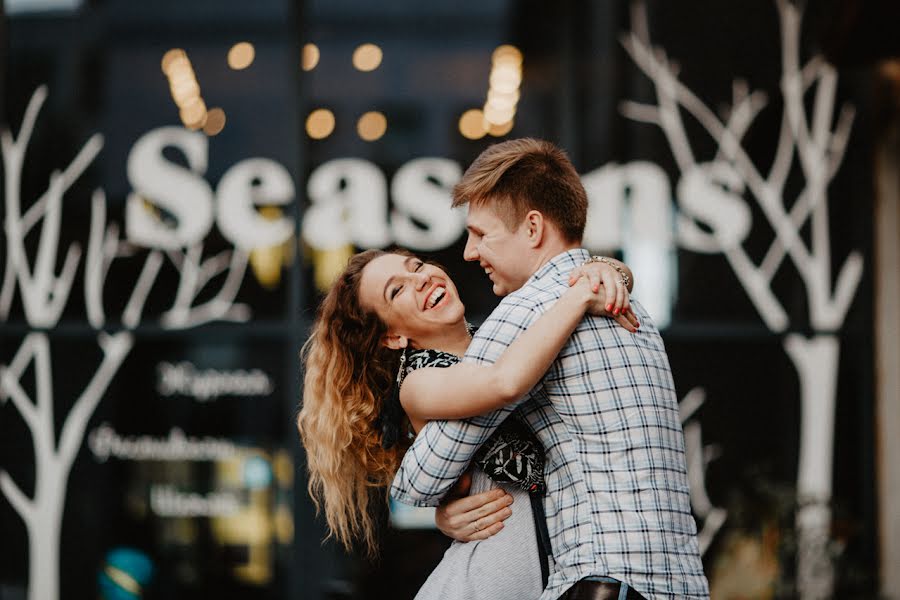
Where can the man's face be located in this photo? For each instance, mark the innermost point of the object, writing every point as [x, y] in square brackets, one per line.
[506, 256]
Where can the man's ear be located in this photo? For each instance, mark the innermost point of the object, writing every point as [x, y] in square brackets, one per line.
[534, 224]
[394, 341]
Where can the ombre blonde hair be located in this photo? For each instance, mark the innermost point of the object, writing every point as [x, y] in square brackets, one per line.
[349, 374]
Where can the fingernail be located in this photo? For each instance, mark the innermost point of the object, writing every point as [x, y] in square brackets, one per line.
[609, 307]
[507, 511]
[615, 312]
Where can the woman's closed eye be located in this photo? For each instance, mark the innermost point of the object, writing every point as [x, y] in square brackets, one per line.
[417, 266]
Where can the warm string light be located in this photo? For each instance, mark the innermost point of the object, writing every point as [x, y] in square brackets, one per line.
[371, 126]
[320, 123]
[310, 57]
[241, 55]
[496, 118]
[367, 57]
[186, 93]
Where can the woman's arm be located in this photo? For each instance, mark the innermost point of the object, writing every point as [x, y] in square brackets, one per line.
[465, 390]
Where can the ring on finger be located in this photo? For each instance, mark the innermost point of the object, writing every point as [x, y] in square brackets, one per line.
[476, 525]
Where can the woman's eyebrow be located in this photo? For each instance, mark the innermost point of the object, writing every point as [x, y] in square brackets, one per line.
[408, 265]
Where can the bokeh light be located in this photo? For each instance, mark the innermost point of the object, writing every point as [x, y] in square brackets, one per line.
[215, 121]
[310, 57]
[171, 57]
[502, 129]
[371, 126]
[193, 114]
[367, 57]
[241, 55]
[320, 123]
[472, 124]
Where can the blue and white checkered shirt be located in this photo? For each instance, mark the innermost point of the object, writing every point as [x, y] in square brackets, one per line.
[617, 501]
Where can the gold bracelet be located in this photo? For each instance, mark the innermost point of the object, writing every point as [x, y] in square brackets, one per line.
[624, 278]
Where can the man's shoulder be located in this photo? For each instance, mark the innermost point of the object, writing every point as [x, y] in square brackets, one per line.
[531, 297]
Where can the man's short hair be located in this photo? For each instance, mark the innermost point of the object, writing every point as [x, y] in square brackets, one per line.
[517, 176]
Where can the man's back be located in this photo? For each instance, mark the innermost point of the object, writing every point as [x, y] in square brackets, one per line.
[618, 501]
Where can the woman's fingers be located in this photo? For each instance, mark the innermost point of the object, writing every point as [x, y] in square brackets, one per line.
[489, 513]
[575, 275]
[474, 517]
[623, 320]
[608, 277]
[486, 533]
[632, 318]
[474, 502]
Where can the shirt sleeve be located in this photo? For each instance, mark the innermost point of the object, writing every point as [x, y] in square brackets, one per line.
[443, 450]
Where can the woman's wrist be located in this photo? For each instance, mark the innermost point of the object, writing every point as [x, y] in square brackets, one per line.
[581, 295]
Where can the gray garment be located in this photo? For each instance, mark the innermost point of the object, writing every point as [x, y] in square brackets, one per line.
[504, 566]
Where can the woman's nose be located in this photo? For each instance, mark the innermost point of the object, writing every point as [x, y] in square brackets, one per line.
[420, 280]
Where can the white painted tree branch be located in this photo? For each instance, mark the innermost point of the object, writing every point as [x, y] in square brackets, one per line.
[222, 306]
[97, 261]
[669, 89]
[838, 145]
[115, 349]
[213, 266]
[643, 113]
[19, 501]
[70, 175]
[187, 282]
[13, 391]
[692, 401]
[131, 316]
[37, 210]
[43, 435]
[820, 146]
[45, 295]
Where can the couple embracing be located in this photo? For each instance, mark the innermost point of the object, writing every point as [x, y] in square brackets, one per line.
[560, 410]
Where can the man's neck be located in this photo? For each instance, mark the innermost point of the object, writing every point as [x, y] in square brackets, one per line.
[549, 251]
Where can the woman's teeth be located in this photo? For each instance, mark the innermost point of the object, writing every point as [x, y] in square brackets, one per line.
[435, 297]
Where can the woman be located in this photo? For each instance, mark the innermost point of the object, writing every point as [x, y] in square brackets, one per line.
[385, 316]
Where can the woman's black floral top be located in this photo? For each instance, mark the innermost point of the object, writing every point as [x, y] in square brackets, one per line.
[513, 454]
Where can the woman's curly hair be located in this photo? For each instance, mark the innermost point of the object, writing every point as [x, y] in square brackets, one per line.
[349, 374]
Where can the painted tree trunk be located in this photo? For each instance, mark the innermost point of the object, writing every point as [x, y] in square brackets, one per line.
[816, 361]
[44, 532]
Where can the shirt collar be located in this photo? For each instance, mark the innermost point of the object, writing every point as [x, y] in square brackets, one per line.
[561, 263]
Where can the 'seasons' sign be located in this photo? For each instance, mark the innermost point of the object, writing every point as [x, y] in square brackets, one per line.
[630, 206]
[191, 200]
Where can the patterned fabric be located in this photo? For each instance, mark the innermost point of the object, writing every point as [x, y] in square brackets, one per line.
[617, 500]
[513, 454]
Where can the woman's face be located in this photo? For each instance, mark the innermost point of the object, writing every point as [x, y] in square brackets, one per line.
[414, 299]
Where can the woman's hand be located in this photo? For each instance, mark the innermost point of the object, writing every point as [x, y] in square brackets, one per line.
[598, 302]
[475, 517]
[605, 277]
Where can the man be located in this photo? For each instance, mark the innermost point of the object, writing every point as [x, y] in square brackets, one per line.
[617, 503]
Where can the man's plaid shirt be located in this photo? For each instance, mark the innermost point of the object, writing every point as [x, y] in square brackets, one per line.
[617, 501]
